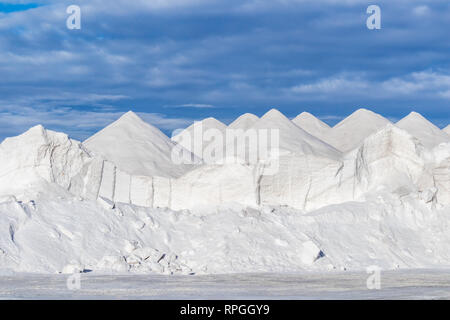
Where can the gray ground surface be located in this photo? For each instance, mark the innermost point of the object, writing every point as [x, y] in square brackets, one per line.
[411, 284]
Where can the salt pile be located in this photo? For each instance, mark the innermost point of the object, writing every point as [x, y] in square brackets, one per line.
[198, 132]
[244, 122]
[427, 133]
[361, 193]
[294, 139]
[350, 132]
[313, 126]
[136, 147]
[39, 155]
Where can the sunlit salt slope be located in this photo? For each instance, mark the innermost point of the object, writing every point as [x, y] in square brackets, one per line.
[57, 232]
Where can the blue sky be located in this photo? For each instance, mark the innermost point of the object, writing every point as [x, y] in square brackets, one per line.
[183, 60]
[7, 7]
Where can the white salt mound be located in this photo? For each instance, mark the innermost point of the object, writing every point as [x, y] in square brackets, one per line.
[313, 126]
[207, 125]
[136, 147]
[294, 139]
[244, 122]
[36, 155]
[427, 133]
[350, 132]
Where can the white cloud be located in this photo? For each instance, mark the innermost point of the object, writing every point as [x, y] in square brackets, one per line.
[401, 86]
[427, 82]
[422, 83]
[193, 105]
[339, 84]
[421, 10]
